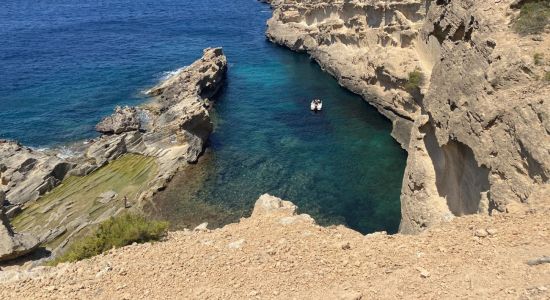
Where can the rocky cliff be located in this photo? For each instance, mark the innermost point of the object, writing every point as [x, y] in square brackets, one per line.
[462, 89]
[162, 136]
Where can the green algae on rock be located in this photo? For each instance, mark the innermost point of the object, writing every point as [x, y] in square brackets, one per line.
[78, 202]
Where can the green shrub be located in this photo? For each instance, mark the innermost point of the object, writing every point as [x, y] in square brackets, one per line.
[415, 80]
[547, 76]
[533, 17]
[116, 232]
[538, 58]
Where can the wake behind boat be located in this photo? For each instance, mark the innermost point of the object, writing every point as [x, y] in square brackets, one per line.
[316, 105]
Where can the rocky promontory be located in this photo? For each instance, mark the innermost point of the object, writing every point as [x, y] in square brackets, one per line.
[466, 95]
[139, 151]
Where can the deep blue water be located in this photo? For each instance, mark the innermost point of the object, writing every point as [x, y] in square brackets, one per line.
[64, 64]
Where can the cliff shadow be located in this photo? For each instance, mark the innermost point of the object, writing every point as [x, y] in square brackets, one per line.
[459, 179]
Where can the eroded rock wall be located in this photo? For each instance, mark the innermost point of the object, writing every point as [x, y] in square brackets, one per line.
[476, 129]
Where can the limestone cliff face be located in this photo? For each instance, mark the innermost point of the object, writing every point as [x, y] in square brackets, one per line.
[367, 45]
[477, 129]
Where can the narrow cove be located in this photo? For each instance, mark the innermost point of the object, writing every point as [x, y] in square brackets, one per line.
[340, 165]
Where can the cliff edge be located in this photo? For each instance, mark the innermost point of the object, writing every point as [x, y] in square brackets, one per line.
[277, 254]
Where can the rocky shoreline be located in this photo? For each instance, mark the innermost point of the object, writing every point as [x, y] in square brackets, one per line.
[476, 128]
[172, 128]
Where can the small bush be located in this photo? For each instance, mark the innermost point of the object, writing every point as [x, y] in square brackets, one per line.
[547, 76]
[533, 17]
[415, 80]
[538, 58]
[116, 232]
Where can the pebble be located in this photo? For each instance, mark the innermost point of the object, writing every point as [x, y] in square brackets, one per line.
[237, 244]
[481, 233]
[345, 246]
[350, 296]
[423, 272]
[202, 227]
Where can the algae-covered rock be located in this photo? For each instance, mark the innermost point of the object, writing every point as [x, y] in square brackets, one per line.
[67, 211]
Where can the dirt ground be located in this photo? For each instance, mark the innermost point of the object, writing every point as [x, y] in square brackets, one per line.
[277, 255]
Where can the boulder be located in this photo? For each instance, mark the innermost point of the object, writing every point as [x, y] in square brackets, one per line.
[268, 204]
[283, 212]
[202, 227]
[122, 120]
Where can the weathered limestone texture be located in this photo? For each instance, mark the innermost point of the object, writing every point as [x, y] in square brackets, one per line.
[477, 128]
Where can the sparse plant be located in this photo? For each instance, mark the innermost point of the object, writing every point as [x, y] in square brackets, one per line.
[547, 76]
[415, 80]
[538, 58]
[118, 231]
[533, 18]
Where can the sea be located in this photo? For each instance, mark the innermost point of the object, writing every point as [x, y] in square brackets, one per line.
[65, 64]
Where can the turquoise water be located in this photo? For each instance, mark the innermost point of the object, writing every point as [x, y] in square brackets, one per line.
[65, 64]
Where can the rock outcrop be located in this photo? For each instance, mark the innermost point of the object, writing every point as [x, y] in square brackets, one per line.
[476, 128]
[27, 174]
[122, 120]
[174, 126]
[13, 245]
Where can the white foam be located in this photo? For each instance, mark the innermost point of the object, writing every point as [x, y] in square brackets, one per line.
[66, 152]
[168, 74]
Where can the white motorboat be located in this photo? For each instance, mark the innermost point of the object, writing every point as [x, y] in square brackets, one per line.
[316, 105]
